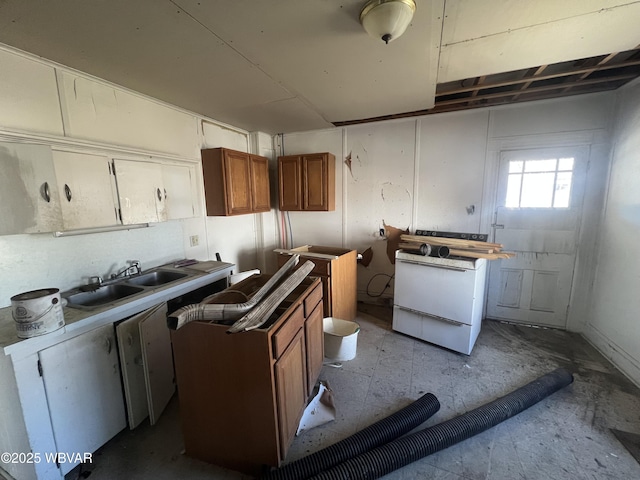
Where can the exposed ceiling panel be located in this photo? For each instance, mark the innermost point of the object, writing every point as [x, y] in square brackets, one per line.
[510, 34]
[586, 75]
[289, 65]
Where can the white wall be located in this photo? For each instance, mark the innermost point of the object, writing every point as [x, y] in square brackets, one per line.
[424, 173]
[47, 103]
[613, 323]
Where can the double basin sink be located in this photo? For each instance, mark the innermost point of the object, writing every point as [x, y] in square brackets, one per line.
[93, 296]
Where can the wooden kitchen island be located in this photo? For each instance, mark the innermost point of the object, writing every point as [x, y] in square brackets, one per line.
[242, 395]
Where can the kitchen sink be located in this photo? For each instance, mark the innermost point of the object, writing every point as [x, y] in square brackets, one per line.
[155, 278]
[102, 295]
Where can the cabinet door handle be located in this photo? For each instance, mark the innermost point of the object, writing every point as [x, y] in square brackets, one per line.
[165, 193]
[46, 194]
[108, 345]
[159, 194]
[67, 192]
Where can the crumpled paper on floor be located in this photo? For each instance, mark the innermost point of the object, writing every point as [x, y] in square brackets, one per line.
[321, 410]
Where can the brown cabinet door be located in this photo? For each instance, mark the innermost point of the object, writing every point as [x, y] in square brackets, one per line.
[289, 186]
[260, 184]
[314, 170]
[237, 171]
[291, 389]
[314, 340]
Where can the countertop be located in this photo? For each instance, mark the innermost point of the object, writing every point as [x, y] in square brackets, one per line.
[80, 321]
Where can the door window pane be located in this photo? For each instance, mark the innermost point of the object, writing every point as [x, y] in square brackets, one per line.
[563, 190]
[565, 164]
[513, 191]
[537, 190]
[540, 183]
[540, 165]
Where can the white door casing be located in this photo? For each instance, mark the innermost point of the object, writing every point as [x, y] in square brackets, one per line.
[535, 286]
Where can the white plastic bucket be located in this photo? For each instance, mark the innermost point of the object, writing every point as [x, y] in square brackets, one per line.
[340, 339]
[38, 312]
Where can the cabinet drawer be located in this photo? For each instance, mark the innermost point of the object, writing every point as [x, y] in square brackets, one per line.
[287, 331]
[312, 300]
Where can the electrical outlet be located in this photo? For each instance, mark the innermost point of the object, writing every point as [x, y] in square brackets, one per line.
[194, 240]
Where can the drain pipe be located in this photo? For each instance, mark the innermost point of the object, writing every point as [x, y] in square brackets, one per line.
[379, 433]
[403, 451]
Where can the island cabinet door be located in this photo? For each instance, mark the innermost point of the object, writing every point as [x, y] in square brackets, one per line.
[291, 389]
[84, 393]
[314, 342]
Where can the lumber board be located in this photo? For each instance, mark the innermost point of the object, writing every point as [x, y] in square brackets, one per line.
[455, 242]
[488, 256]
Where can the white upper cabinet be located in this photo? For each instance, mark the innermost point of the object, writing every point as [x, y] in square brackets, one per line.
[48, 190]
[87, 190]
[28, 95]
[178, 191]
[29, 201]
[141, 191]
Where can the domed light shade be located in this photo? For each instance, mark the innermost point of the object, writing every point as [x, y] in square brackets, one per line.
[387, 19]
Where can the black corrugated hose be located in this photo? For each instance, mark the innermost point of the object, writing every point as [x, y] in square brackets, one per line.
[379, 433]
[403, 451]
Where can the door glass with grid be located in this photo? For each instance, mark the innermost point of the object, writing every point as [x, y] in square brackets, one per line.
[539, 183]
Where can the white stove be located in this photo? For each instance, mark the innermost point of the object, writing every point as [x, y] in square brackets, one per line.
[439, 300]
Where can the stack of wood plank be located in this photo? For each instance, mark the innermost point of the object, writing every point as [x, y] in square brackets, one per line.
[457, 247]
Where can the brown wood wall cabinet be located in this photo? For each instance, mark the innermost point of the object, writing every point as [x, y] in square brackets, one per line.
[242, 395]
[235, 183]
[337, 269]
[307, 182]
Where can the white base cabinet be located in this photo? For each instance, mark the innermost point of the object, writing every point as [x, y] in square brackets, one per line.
[439, 300]
[84, 392]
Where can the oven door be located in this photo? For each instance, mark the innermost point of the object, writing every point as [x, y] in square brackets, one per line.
[439, 290]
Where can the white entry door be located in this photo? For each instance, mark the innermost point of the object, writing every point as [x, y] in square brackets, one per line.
[538, 215]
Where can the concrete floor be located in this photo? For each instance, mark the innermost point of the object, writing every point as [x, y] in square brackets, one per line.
[566, 436]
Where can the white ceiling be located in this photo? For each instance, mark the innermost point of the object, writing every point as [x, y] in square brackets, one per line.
[291, 65]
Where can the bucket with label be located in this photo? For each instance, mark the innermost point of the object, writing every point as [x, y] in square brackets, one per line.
[37, 312]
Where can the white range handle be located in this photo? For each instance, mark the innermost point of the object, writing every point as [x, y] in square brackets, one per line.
[434, 265]
[435, 317]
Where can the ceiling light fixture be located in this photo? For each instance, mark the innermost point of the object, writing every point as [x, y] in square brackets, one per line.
[387, 19]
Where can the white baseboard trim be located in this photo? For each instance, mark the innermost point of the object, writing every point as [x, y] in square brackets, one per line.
[628, 365]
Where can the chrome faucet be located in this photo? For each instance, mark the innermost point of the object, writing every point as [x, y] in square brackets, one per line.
[132, 269]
